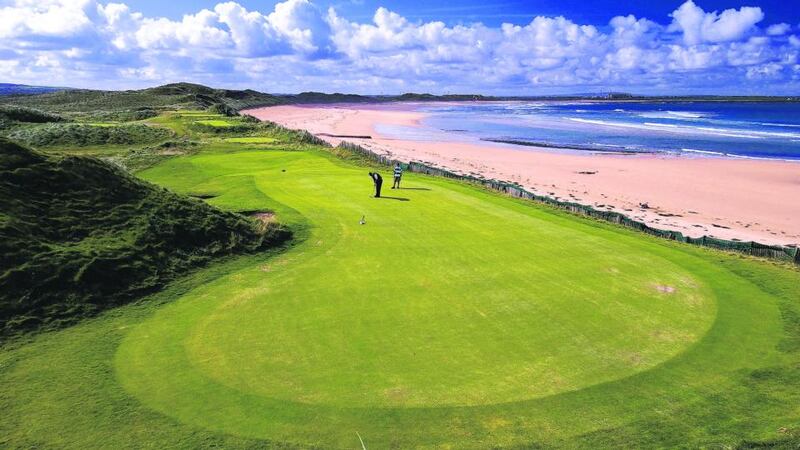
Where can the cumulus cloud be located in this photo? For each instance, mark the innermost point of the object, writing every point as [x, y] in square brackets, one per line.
[55, 18]
[297, 46]
[699, 26]
[779, 29]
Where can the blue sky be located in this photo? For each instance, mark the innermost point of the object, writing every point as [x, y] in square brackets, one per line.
[595, 12]
[383, 47]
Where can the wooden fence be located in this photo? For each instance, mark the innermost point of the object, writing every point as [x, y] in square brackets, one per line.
[777, 252]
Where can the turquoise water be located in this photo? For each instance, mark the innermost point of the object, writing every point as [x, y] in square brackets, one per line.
[735, 129]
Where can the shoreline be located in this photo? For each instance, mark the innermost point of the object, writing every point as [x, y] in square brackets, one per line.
[725, 197]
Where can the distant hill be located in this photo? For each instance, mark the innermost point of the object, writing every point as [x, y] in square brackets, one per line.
[78, 236]
[320, 97]
[137, 104]
[178, 95]
[23, 89]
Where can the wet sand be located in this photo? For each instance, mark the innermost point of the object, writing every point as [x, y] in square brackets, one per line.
[728, 198]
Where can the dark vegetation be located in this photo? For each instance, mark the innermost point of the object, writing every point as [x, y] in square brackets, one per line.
[321, 97]
[78, 236]
[225, 110]
[82, 135]
[12, 113]
[127, 115]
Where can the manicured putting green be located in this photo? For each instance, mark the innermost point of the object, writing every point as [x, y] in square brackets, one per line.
[252, 140]
[446, 297]
[420, 308]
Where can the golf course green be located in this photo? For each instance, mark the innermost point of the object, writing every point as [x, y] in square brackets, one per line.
[454, 317]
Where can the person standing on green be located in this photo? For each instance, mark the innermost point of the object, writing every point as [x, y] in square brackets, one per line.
[398, 174]
[377, 179]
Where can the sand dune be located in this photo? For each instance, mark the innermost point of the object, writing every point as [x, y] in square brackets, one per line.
[723, 197]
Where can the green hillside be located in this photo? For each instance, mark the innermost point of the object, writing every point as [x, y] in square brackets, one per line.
[171, 96]
[78, 236]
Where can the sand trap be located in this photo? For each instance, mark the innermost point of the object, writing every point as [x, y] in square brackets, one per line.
[264, 217]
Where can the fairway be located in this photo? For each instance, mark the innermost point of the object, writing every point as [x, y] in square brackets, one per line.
[216, 123]
[447, 297]
[252, 140]
[455, 317]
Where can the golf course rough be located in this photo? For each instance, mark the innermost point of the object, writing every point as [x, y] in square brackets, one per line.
[455, 317]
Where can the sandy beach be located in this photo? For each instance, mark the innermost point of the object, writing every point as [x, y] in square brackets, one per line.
[728, 198]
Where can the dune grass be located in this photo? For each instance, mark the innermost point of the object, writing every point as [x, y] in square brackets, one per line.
[454, 317]
[80, 236]
[71, 135]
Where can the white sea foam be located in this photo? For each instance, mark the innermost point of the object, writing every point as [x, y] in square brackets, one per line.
[704, 152]
[663, 125]
[785, 125]
[757, 133]
[597, 144]
[673, 115]
[763, 158]
[686, 115]
[731, 155]
[672, 128]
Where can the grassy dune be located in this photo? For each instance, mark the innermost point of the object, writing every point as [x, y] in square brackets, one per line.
[84, 135]
[454, 318]
[80, 236]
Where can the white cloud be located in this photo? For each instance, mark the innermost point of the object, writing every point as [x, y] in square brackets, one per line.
[779, 29]
[302, 25]
[194, 31]
[46, 18]
[249, 30]
[699, 26]
[766, 71]
[295, 46]
[630, 30]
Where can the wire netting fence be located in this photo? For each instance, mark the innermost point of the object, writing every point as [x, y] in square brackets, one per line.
[777, 252]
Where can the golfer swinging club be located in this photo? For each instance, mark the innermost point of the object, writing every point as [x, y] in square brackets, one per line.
[378, 180]
[398, 174]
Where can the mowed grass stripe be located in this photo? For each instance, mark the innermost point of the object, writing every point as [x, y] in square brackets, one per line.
[455, 298]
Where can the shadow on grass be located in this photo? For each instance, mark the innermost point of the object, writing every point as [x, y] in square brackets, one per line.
[402, 199]
[414, 189]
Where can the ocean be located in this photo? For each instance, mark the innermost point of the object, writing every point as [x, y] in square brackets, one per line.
[733, 129]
